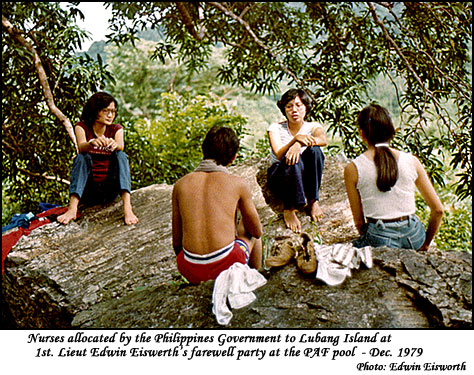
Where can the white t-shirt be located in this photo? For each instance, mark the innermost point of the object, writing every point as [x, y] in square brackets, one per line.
[281, 128]
[399, 200]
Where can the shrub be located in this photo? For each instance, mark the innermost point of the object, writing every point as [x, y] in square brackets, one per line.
[168, 147]
[455, 232]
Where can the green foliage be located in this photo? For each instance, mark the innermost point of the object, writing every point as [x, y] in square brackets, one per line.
[166, 148]
[414, 58]
[262, 148]
[9, 205]
[140, 82]
[336, 50]
[37, 151]
[455, 232]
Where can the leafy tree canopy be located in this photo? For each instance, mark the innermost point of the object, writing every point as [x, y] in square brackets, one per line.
[41, 73]
[335, 50]
[140, 82]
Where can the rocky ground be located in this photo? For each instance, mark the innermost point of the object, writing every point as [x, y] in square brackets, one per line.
[96, 272]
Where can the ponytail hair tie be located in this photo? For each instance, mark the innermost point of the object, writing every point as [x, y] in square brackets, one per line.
[382, 145]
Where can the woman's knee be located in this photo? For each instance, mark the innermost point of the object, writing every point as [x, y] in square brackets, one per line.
[315, 151]
[121, 162]
[121, 156]
[82, 158]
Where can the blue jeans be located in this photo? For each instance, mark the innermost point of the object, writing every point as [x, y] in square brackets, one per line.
[90, 192]
[407, 234]
[298, 184]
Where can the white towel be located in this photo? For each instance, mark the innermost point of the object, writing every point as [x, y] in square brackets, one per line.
[236, 284]
[335, 262]
[210, 165]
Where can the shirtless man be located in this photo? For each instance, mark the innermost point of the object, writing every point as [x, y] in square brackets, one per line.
[205, 203]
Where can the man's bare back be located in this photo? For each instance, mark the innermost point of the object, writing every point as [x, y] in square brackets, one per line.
[204, 209]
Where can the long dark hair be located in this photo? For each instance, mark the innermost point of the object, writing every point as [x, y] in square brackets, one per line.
[377, 127]
[221, 144]
[94, 105]
[290, 95]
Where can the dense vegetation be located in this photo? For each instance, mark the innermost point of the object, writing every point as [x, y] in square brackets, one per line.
[179, 68]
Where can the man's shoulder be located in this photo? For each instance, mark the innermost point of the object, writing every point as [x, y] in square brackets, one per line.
[226, 184]
[214, 177]
[183, 179]
[240, 183]
[194, 176]
[227, 178]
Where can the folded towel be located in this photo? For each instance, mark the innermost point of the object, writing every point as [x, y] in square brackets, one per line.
[335, 262]
[235, 284]
[210, 165]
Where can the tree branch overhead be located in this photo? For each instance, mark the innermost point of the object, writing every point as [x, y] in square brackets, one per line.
[43, 79]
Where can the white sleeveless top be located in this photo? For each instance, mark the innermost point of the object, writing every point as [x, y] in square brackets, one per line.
[281, 128]
[397, 202]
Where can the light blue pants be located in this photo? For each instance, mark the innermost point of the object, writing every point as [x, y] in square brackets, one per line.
[407, 234]
[91, 193]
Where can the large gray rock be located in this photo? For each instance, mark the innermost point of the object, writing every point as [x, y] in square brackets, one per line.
[97, 272]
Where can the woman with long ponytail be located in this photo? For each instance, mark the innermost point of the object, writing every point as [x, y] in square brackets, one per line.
[380, 185]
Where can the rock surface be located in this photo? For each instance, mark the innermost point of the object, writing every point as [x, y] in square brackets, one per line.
[98, 273]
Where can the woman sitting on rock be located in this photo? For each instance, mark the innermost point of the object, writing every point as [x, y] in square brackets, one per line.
[381, 183]
[100, 172]
[297, 169]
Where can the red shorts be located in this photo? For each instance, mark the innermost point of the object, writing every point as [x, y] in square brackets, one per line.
[196, 268]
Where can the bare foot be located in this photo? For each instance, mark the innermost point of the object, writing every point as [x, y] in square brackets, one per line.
[129, 217]
[315, 211]
[291, 220]
[66, 217]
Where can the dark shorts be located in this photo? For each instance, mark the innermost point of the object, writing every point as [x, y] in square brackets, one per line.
[197, 268]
